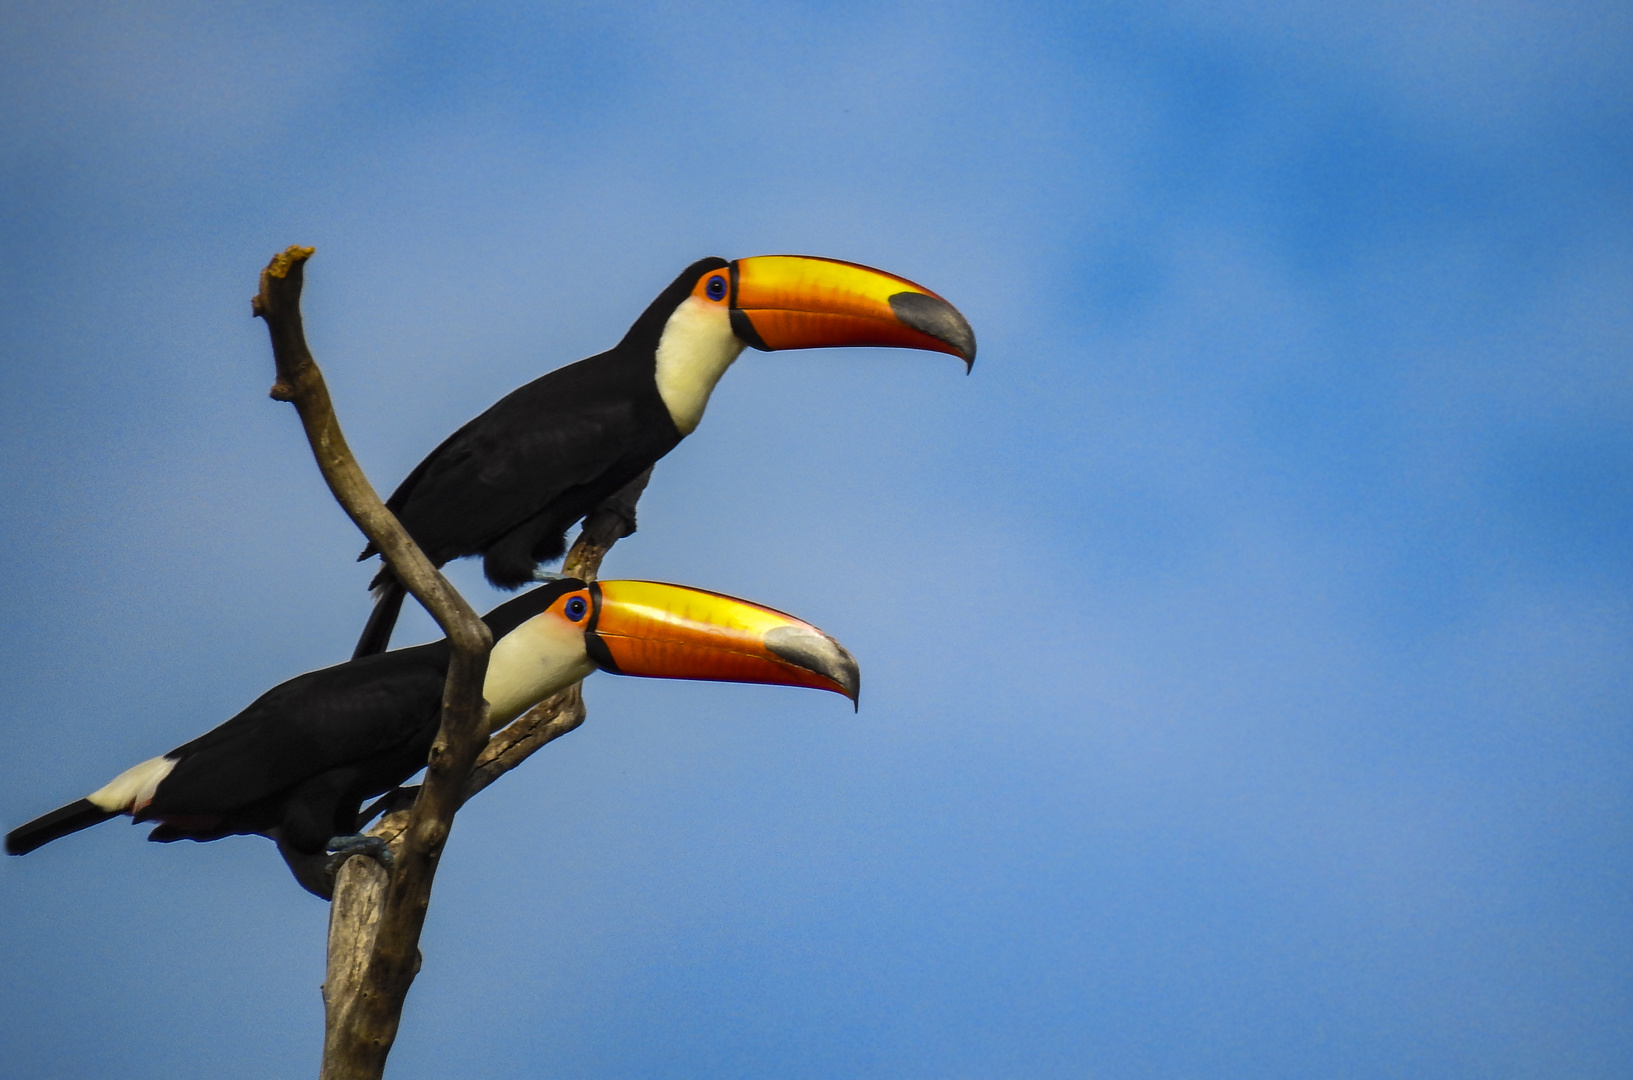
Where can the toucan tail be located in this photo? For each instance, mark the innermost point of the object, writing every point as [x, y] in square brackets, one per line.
[58, 823]
[388, 602]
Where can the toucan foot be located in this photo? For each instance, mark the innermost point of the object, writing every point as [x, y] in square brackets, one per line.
[344, 847]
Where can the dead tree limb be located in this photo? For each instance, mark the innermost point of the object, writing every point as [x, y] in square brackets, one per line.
[376, 916]
[365, 1004]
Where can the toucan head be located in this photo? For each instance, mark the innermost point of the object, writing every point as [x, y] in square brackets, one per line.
[654, 630]
[714, 309]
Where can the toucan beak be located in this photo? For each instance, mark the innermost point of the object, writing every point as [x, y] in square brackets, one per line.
[673, 632]
[802, 302]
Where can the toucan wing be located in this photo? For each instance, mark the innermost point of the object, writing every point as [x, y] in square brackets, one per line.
[352, 713]
[565, 430]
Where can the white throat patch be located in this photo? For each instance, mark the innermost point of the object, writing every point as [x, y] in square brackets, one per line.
[696, 348]
[544, 654]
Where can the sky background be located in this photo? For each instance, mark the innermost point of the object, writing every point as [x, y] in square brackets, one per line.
[1247, 642]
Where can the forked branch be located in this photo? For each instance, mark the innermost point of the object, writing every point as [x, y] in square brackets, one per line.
[365, 1004]
[376, 917]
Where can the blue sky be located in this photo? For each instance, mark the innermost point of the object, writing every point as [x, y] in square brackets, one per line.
[1246, 641]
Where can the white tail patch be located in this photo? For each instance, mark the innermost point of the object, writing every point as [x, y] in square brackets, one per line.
[133, 789]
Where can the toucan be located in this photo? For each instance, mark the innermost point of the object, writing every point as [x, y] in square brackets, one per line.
[509, 484]
[297, 764]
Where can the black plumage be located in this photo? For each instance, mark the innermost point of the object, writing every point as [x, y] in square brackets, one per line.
[510, 483]
[300, 760]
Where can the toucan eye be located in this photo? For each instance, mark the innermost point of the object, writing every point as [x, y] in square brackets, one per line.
[576, 607]
[716, 288]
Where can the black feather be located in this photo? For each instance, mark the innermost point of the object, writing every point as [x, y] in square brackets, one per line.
[81, 814]
[382, 620]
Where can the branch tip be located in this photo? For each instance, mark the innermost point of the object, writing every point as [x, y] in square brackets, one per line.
[287, 259]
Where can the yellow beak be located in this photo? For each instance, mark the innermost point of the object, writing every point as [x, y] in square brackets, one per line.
[803, 302]
[674, 632]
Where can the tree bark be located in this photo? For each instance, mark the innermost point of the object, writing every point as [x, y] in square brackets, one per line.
[376, 915]
[365, 1002]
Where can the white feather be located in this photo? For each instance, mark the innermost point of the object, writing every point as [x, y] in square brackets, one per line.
[133, 789]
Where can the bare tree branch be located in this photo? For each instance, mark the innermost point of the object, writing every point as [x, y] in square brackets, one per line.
[376, 917]
[372, 969]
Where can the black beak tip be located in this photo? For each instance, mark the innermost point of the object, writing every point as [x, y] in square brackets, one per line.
[934, 316]
[819, 653]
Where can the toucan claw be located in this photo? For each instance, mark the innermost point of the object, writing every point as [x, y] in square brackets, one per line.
[344, 847]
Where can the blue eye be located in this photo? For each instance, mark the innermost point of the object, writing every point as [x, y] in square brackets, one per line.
[716, 288]
[576, 607]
